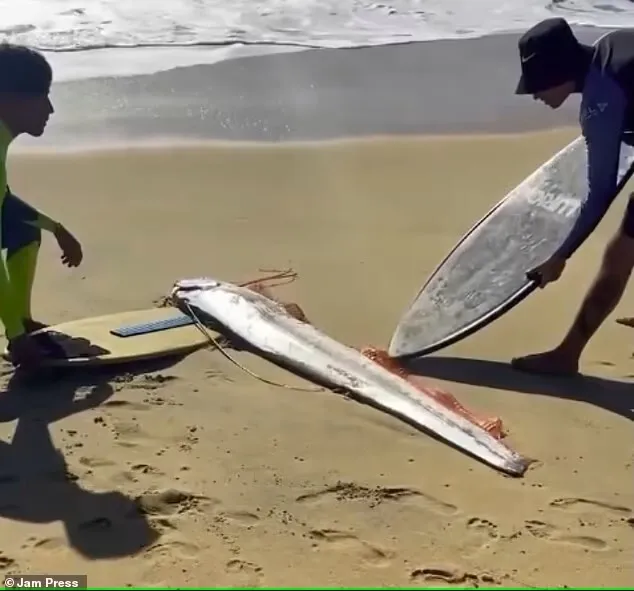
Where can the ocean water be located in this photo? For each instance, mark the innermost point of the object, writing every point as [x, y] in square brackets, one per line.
[83, 34]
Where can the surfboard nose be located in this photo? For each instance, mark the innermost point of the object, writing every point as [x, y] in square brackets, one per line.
[400, 345]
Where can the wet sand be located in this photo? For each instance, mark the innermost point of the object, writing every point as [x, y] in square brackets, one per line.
[436, 87]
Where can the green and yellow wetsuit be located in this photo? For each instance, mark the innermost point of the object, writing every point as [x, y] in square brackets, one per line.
[20, 236]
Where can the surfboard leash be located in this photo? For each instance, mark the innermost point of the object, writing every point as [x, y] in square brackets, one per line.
[288, 275]
[216, 343]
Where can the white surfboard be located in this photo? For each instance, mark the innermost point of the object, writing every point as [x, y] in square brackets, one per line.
[484, 276]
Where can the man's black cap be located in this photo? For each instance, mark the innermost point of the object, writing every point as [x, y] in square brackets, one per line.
[549, 52]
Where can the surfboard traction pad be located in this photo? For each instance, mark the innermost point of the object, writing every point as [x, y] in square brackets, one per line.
[80, 348]
[133, 330]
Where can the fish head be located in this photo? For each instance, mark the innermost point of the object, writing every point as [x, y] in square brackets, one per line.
[183, 286]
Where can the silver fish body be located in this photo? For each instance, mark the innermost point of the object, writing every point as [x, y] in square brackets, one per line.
[267, 327]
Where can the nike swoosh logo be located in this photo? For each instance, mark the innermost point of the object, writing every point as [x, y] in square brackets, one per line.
[528, 57]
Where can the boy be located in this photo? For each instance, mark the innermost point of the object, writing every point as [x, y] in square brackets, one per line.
[25, 107]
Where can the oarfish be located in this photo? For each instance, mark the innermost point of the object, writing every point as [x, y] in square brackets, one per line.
[267, 327]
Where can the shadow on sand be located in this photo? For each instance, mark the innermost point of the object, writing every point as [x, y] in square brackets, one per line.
[35, 484]
[612, 395]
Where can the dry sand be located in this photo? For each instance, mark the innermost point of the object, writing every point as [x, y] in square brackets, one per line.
[241, 483]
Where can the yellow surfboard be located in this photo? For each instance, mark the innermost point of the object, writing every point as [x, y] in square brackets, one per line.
[124, 337]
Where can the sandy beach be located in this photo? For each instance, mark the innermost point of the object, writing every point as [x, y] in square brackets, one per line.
[193, 473]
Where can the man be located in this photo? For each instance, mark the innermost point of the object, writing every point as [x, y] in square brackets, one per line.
[25, 107]
[554, 66]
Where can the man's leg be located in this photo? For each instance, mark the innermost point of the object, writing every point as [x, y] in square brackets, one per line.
[22, 241]
[603, 296]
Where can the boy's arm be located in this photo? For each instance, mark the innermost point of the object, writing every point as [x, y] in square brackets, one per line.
[42, 221]
[46, 223]
[71, 248]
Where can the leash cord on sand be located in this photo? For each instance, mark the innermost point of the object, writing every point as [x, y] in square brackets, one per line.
[214, 341]
[288, 274]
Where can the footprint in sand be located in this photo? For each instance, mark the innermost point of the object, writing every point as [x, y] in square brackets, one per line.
[126, 405]
[219, 375]
[483, 526]
[146, 382]
[96, 462]
[146, 469]
[127, 444]
[132, 475]
[174, 547]
[5, 561]
[155, 400]
[124, 477]
[243, 573]
[243, 518]
[481, 534]
[190, 439]
[347, 542]
[548, 532]
[170, 501]
[130, 434]
[127, 430]
[580, 504]
[48, 544]
[162, 525]
[450, 576]
[344, 491]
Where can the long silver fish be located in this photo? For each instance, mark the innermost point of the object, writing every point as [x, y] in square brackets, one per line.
[269, 328]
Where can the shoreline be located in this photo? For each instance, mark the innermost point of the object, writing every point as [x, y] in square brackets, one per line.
[75, 64]
[185, 144]
[432, 88]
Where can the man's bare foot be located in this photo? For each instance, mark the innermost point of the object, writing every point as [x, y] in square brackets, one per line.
[553, 363]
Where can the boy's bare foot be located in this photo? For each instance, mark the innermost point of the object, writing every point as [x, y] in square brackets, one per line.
[25, 352]
[31, 325]
[29, 349]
